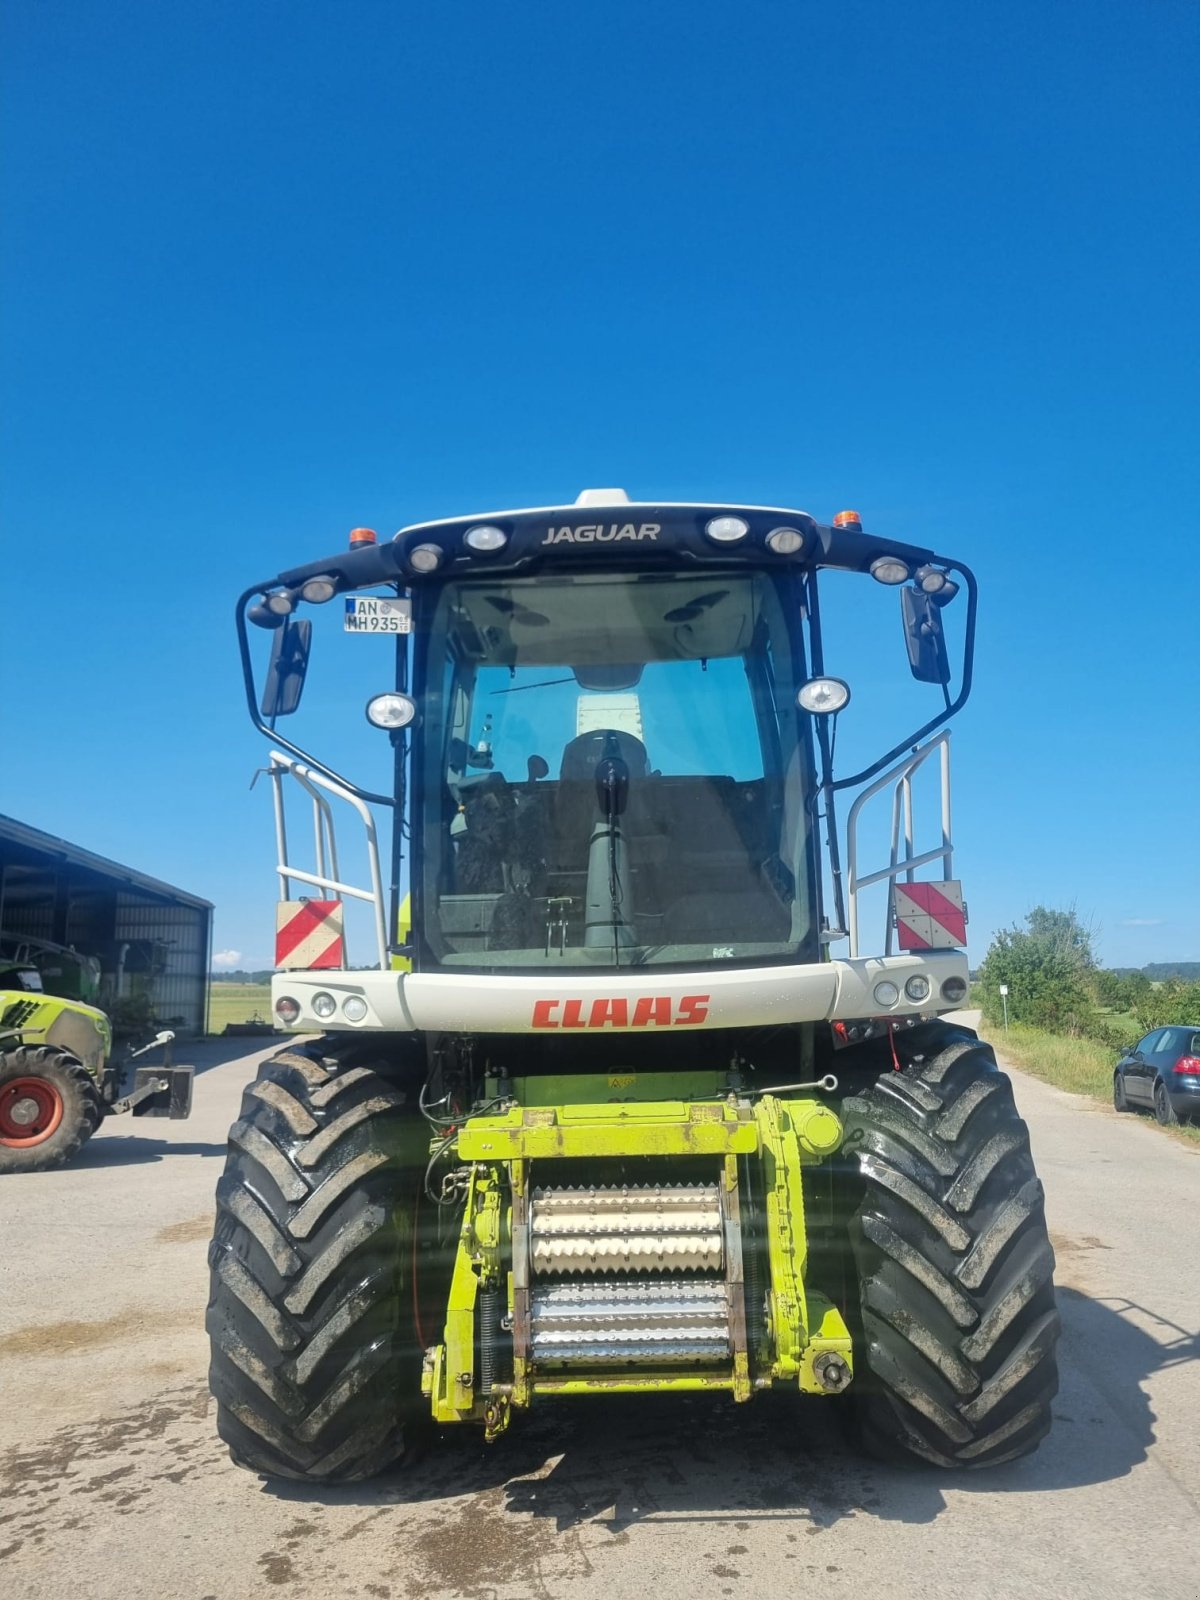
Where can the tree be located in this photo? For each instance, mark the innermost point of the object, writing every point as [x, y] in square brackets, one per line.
[1046, 966]
[1062, 934]
[1111, 990]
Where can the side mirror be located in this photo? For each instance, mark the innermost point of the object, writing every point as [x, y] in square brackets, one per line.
[287, 669]
[924, 636]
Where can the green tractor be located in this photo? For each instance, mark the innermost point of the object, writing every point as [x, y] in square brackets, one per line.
[57, 1078]
[609, 1115]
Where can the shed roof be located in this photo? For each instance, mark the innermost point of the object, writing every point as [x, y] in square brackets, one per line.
[60, 850]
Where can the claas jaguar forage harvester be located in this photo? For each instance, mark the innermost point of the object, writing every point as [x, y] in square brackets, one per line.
[611, 1114]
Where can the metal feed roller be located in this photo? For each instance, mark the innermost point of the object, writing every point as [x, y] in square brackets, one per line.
[659, 1228]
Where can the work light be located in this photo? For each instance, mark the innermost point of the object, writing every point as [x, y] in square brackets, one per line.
[391, 710]
[317, 590]
[486, 538]
[889, 569]
[785, 541]
[726, 530]
[823, 696]
[932, 580]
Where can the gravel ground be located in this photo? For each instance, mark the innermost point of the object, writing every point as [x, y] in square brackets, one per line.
[113, 1482]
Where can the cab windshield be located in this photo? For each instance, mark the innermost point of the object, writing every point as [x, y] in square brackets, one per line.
[611, 772]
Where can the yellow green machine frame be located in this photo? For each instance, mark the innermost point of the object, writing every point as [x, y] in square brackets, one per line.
[800, 1338]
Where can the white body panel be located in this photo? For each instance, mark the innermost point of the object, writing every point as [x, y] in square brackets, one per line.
[634, 1001]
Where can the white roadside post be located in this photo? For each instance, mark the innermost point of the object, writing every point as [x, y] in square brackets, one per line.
[1004, 1002]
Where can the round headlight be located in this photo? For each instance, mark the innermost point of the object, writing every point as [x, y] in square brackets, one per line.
[932, 580]
[282, 603]
[354, 1008]
[317, 590]
[886, 993]
[954, 989]
[287, 1009]
[889, 569]
[486, 538]
[726, 530]
[428, 558]
[917, 988]
[823, 696]
[785, 541]
[323, 1004]
[391, 710]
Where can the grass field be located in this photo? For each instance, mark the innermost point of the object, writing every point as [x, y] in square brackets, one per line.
[237, 1002]
[1077, 1065]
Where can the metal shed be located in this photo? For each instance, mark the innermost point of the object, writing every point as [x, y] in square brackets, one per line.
[149, 937]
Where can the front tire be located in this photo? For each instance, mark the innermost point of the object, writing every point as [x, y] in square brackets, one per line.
[49, 1108]
[1120, 1097]
[315, 1367]
[956, 1302]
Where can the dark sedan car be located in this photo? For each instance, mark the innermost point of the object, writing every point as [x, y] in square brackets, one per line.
[1162, 1073]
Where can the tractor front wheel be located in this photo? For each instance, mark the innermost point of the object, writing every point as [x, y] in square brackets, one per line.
[49, 1108]
[956, 1301]
[315, 1365]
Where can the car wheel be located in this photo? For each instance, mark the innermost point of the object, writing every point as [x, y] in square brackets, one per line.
[1120, 1098]
[1163, 1109]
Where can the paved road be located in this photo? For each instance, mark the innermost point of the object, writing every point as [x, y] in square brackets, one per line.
[113, 1484]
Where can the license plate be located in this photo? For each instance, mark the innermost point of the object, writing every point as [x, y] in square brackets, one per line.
[369, 614]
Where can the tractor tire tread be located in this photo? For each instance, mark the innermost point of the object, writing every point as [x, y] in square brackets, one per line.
[312, 1361]
[956, 1318]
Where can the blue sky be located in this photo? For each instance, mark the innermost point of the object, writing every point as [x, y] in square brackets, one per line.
[275, 270]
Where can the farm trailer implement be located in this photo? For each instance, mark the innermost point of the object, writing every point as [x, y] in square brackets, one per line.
[608, 1116]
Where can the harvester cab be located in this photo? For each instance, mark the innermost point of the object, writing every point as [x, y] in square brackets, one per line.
[612, 1112]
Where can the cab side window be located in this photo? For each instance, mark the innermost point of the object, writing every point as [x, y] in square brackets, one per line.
[1146, 1045]
[1166, 1042]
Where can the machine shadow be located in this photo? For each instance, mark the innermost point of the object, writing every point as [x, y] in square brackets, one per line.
[127, 1149]
[625, 1460]
[209, 1053]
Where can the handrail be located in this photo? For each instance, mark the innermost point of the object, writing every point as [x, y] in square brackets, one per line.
[900, 776]
[327, 875]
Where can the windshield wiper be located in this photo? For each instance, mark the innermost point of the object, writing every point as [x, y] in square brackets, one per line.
[546, 683]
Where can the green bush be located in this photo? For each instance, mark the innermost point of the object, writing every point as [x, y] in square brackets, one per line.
[1113, 1032]
[1054, 984]
[1046, 966]
[1165, 1003]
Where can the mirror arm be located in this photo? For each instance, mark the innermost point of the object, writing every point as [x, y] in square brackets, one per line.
[399, 756]
[824, 791]
[244, 602]
[952, 707]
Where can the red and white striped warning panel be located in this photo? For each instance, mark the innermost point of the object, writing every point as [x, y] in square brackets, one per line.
[930, 916]
[309, 935]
